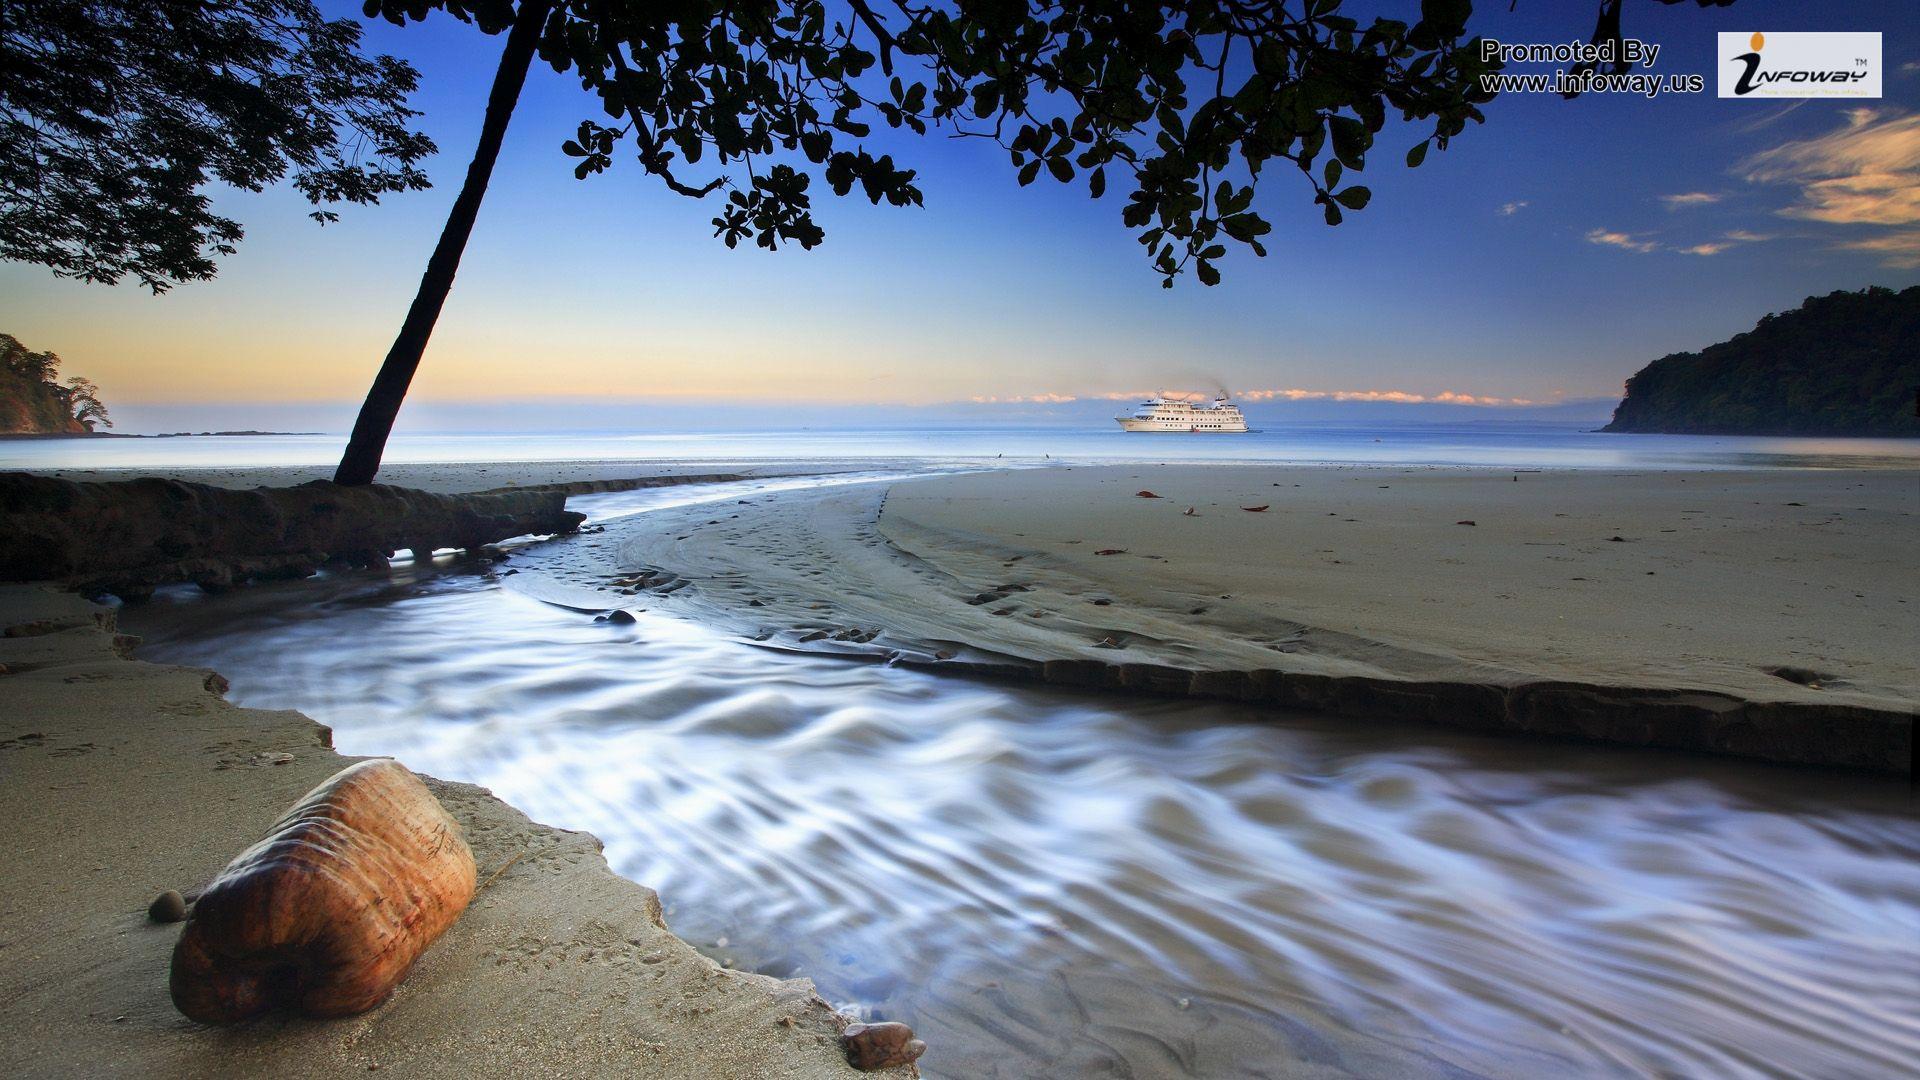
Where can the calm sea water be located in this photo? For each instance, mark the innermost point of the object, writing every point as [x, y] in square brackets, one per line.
[1050, 884]
[1516, 445]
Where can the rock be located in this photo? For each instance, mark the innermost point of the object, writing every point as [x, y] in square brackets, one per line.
[621, 617]
[124, 537]
[1465, 522]
[1143, 494]
[881, 1046]
[169, 906]
[328, 913]
[1261, 509]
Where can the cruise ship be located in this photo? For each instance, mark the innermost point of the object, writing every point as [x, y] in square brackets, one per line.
[1166, 414]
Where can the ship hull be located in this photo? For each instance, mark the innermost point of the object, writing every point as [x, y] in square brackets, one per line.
[1176, 427]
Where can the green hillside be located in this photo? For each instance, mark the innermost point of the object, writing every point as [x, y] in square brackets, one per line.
[1843, 364]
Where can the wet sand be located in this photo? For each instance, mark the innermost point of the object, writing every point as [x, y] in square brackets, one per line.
[125, 778]
[1696, 593]
[1358, 571]
[1047, 882]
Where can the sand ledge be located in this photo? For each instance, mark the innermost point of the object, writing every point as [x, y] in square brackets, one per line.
[124, 778]
[1642, 609]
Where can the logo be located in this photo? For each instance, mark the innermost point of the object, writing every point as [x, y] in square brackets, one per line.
[1809, 65]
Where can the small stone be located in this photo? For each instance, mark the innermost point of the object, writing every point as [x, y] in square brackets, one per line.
[621, 617]
[169, 906]
[881, 1046]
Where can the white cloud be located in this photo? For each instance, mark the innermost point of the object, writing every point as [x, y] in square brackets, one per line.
[1866, 173]
[1024, 399]
[1743, 236]
[1690, 198]
[1512, 208]
[1899, 248]
[1397, 397]
[1709, 248]
[1626, 241]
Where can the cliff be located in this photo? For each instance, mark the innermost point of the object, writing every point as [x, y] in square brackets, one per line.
[31, 407]
[1843, 364]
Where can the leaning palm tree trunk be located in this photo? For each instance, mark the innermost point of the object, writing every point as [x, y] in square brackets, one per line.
[362, 459]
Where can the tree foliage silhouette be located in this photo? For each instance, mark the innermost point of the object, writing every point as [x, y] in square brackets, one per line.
[1187, 103]
[115, 115]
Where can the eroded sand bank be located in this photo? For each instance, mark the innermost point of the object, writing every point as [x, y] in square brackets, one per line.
[119, 779]
[1765, 613]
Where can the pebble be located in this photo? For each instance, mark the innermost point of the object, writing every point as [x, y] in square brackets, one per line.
[621, 617]
[880, 1046]
[169, 906]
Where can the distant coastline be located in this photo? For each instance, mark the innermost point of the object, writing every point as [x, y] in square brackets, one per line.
[162, 435]
[1841, 365]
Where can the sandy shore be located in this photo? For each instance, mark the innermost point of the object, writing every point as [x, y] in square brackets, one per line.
[1707, 610]
[457, 476]
[123, 778]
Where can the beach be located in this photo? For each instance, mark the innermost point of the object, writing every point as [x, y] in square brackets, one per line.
[1641, 591]
[125, 778]
[1767, 588]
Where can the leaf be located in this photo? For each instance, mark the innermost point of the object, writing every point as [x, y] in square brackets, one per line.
[1097, 183]
[1061, 168]
[1354, 198]
[1028, 171]
[1416, 155]
[1208, 275]
[1445, 16]
[1350, 140]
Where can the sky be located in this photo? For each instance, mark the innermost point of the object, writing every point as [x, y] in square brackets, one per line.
[1526, 271]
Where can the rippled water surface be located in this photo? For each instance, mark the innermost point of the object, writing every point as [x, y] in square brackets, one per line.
[1050, 885]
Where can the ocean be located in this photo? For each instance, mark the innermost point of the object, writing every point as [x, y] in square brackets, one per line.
[1488, 444]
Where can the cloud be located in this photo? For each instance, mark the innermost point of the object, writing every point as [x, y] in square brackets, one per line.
[1688, 199]
[1911, 67]
[1627, 241]
[1023, 399]
[1900, 248]
[1742, 236]
[1865, 173]
[1512, 208]
[1398, 397]
[1709, 248]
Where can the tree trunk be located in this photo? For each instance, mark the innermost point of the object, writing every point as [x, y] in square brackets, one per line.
[362, 459]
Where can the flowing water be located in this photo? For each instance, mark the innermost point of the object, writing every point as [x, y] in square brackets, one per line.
[1047, 884]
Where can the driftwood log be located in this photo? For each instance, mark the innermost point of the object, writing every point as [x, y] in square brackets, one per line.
[125, 537]
[328, 913]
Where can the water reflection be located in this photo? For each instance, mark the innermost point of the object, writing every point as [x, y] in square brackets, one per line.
[1046, 884]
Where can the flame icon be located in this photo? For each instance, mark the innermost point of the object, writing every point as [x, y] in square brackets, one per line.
[1758, 41]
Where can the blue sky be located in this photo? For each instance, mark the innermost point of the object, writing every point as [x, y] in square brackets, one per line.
[1541, 258]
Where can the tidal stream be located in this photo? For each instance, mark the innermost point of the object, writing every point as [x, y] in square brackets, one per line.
[1047, 884]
